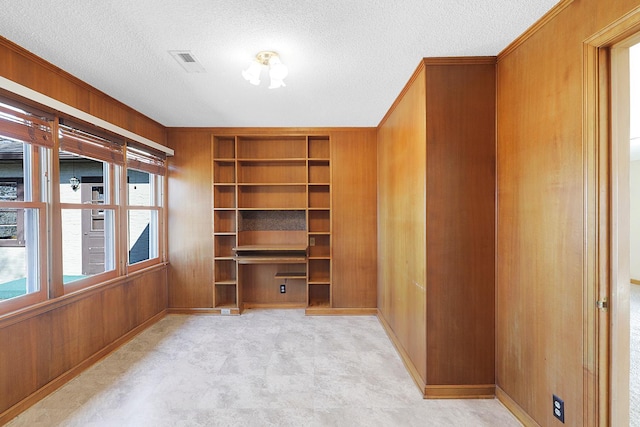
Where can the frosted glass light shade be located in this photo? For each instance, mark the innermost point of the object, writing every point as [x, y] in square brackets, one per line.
[278, 71]
[252, 74]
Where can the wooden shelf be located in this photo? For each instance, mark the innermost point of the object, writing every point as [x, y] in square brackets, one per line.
[270, 184]
[262, 259]
[290, 275]
[272, 160]
[269, 248]
[226, 283]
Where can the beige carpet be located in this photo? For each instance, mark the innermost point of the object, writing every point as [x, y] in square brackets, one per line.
[264, 368]
[634, 373]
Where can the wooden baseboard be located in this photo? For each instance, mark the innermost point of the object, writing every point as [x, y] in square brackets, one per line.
[403, 354]
[196, 311]
[249, 305]
[465, 391]
[515, 409]
[58, 382]
[328, 311]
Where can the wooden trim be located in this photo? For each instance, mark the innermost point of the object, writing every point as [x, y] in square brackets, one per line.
[58, 382]
[635, 282]
[261, 131]
[415, 374]
[328, 311]
[41, 99]
[465, 391]
[515, 409]
[399, 98]
[257, 305]
[52, 304]
[461, 60]
[540, 23]
[203, 311]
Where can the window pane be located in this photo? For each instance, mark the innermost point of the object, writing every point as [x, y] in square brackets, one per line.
[19, 269]
[77, 177]
[87, 242]
[12, 169]
[9, 225]
[143, 235]
[140, 188]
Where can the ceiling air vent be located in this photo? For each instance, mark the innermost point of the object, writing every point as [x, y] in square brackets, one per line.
[187, 60]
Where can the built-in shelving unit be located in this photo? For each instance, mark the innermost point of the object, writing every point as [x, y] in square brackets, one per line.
[319, 223]
[271, 222]
[225, 289]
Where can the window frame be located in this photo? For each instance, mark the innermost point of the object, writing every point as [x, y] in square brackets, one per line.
[156, 204]
[35, 165]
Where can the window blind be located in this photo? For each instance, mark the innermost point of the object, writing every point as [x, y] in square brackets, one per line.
[146, 161]
[22, 126]
[86, 144]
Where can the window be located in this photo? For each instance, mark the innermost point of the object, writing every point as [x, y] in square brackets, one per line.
[77, 208]
[144, 204]
[25, 142]
[88, 169]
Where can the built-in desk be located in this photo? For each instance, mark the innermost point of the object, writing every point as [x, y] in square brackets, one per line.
[271, 254]
[273, 275]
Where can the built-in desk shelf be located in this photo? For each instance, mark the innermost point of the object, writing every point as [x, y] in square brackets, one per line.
[271, 254]
[272, 220]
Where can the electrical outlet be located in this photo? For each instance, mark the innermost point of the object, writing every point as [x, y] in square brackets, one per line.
[558, 408]
[312, 241]
[283, 289]
[225, 311]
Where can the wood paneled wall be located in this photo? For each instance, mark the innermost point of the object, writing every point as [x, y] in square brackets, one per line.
[27, 69]
[190, 211]
[46, 347]
[460, 221]
[353, 215]
[353, 166]
[541, 232]
[436, 207]
[402, 233]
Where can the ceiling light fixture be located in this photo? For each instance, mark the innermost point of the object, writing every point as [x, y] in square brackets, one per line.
[277, 70]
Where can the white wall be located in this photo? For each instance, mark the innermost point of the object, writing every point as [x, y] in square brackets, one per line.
[634, 203]
[634, 171]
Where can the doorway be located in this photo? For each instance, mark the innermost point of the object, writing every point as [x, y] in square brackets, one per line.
[624, 190]
[607, 166]
[634, 238]
[93, 250]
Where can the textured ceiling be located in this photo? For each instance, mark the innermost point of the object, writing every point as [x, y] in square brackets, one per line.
[347, 59]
